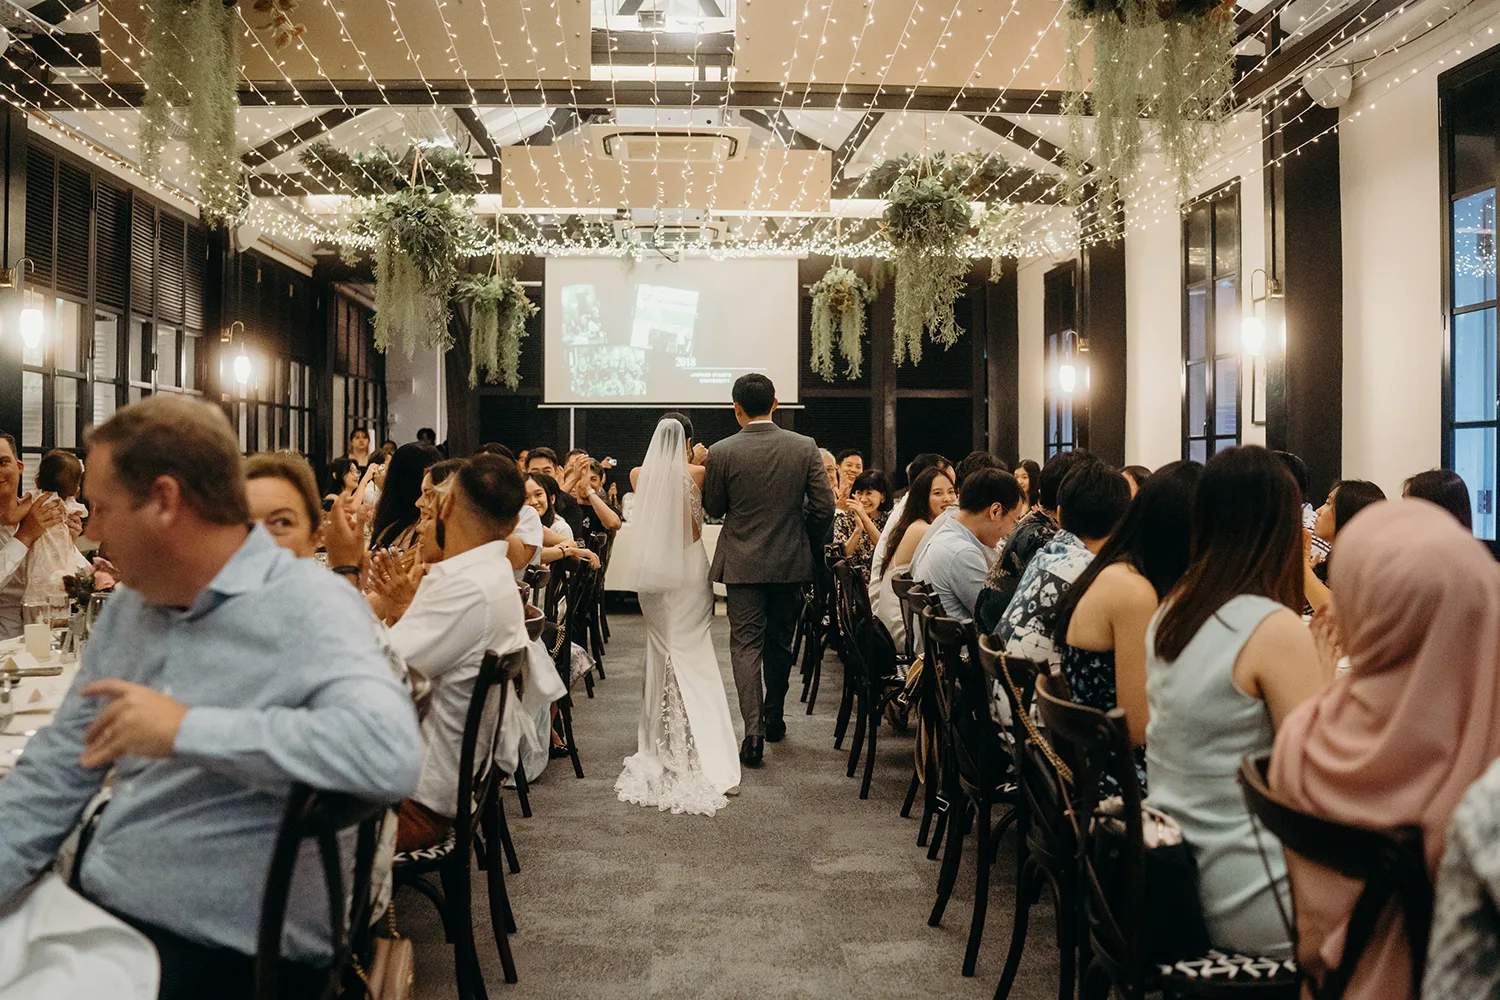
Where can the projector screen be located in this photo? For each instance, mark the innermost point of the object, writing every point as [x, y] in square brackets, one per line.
[668, 334]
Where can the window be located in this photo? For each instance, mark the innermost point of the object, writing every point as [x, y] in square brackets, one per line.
[1067, 374]
[1211, 324]
[1471, 126]
[54, 379]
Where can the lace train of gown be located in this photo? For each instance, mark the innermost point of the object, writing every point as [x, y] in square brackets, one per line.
[687, 756]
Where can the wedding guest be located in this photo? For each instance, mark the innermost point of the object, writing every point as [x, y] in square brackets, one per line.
[543, 460]
[1346, 499]
[1136, 475]
[584, 485]
[1463, 953]
[1029, 475]
[344, 475]
[466, 604]
[914, 468]
[1090, 502]
[955, 561]
[1401, 737]
[831, 466]
[396, 513]
[1102, 619]
[1033, 531]
[930, 495]
[851, 463]
[426, 435]
[1445, 488]
[55, 555]
[223, 671]
[542, 492]
[22, 523]
[860, 518]
[973, 462]
[358, 453]
[283, 499]
[1227, 660]
[1298, 469]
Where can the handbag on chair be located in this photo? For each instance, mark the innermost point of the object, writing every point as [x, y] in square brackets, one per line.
[392, 970]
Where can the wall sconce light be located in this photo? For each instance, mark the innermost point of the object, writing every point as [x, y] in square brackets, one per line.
[1067, 372]
[241, 366]
[10, 277]
[1253, 327]
[31, 327]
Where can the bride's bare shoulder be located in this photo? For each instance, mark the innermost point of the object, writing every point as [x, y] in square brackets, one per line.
[697, 472]
[635, 476]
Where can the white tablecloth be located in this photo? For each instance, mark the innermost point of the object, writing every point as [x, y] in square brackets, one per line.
[623, 542]
[25, 724]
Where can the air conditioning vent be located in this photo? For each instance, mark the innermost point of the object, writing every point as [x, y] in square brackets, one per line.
[669, 144]
[670, 235]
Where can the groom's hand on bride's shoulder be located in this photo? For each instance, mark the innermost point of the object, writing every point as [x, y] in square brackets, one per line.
[700, 454]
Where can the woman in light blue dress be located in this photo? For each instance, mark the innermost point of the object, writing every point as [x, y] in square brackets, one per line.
[1226, 660]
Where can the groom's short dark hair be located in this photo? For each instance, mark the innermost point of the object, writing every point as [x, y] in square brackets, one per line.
[755, 394]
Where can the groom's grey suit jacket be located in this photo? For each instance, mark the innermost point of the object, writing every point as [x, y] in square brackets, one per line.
[770, 487]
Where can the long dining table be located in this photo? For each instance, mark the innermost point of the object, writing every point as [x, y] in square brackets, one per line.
[36, 700]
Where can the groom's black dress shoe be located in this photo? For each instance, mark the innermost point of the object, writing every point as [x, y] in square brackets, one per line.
[752, 751]
[775, 731]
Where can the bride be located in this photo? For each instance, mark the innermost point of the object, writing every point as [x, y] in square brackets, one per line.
[687, 758]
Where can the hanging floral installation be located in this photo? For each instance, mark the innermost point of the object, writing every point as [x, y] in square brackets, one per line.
[1169, 61]
[927, 218]
[498, 311]
[417, 214]
[191, 71]
[838, 307]
[283, 28]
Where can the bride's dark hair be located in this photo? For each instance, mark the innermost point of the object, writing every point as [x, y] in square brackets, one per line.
[681, 418]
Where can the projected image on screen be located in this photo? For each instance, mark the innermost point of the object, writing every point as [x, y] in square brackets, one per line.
[608, 372]
[582, 323]
[663, 332]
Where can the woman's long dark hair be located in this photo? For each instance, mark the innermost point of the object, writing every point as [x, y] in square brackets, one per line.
[918, 508]
[1154, 537]
[1247, 539]
[549, 486]
[1033, 481]
[397, 508]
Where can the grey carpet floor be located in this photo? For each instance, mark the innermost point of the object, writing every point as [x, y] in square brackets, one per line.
[798, 890]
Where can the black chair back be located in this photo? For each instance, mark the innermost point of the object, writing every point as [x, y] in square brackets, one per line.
[1391, 864]
[1092, 743]
[902, 586]
[320, 817]
[478, 776]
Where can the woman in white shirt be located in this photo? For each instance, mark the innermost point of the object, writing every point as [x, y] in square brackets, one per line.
[930, 495]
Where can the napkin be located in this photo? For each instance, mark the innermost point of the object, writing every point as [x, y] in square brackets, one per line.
[18, 660]
[39, 694]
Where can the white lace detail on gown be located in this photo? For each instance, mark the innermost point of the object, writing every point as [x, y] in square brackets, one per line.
[672, 780]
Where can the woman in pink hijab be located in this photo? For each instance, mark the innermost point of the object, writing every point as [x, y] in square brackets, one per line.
[1415, 721]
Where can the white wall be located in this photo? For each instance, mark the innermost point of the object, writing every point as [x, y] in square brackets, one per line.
[1153, 291]
[414, 393]
[1393, 249]
[1031, 360]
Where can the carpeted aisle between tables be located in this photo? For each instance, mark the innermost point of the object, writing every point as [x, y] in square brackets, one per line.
[797, 890]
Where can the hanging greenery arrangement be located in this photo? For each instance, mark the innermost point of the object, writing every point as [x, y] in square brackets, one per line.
[421, 236]
[383, 171]
[498, 310]
[999, 235]
[979, 176]
[926, 222]
[284, 30]
[838, 306]
[1168, 61]
[191, 69]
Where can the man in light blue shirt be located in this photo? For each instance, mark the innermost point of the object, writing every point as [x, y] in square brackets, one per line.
[228, 670]
[960, 550]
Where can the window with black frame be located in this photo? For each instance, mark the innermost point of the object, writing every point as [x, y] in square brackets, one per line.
[1211, 324]
[1470, 98]
[1067, 375]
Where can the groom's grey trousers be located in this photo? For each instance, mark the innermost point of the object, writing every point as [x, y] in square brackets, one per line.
[762, 627]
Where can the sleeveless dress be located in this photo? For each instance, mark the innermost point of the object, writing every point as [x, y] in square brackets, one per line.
[687, 756]
[1091, 677]
[1201, 727]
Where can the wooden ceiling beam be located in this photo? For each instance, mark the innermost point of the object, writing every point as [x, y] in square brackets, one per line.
[1293, 59]
[470, 120]
[562, 121]
[856, 138]
[777, 123]
[300, 135]
[1025, 138]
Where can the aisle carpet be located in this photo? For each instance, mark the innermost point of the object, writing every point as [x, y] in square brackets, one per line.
[797, 890]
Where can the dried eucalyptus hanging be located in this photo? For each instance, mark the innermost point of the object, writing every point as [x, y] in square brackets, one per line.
[191, 71]
[838, 304]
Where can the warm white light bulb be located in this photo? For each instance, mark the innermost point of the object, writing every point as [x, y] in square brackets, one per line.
[31, 327]
[242, 369]
[1252, 335]
[1067, 378]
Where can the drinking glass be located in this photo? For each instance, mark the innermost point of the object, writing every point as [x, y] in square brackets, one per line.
[36, 614]
[7, 704]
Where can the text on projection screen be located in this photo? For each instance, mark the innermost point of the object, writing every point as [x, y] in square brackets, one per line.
[667, 334]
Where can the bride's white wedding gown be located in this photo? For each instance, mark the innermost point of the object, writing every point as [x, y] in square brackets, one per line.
[687, 756]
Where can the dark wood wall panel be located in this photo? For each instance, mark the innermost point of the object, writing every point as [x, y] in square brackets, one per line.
[75, 198]
[41, 204]
[112, 245]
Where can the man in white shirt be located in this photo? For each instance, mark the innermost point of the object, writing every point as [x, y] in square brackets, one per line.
[466, 604]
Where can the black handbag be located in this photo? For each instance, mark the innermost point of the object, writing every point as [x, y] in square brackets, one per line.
[1175, 928]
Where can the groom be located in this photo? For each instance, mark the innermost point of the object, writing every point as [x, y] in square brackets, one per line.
[770, 488]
